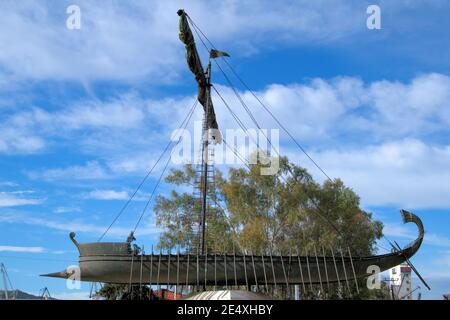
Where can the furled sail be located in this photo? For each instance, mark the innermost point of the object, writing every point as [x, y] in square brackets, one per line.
[195, 65]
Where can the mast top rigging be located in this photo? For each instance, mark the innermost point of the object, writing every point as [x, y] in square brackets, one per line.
[211, 128]
[195, 65]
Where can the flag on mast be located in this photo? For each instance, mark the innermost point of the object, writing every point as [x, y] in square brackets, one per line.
[216, 53]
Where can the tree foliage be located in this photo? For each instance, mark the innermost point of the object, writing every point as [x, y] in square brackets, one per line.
[283, 213]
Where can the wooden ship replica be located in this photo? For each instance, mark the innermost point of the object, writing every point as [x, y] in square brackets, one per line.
[124, 263]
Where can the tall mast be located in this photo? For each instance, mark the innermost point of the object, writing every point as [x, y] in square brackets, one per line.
[205, 152]
[203, 80]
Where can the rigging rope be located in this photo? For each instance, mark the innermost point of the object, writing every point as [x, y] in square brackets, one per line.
[183, 124]
[256, 97]
[164, 170]
[321, 213]
[198, 31]
[246, 108]
[152, 194]
[240, 123]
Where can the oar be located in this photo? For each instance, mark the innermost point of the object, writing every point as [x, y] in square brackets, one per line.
[411, 265]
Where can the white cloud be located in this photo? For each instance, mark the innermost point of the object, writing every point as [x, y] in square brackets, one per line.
[8, 184]
[135, 39]
[21, 249]
[421, 105]
[380, 126]
[107, 195]
[408, 173]
[92, 170]
[398, 231]
[10, 199]
[317, 105]
[322, 111]
[125, 121]
[66, 209]
[139, 163]
[123, 112]
[445, 259]
[114, 41]
[110, 194]
[13, 140]
[437, 240]
[405, 232]
[147, 228]
[25, 131]
[403, 171]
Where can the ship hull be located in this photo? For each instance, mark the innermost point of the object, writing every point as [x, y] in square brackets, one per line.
[116, 263]
[230, 269]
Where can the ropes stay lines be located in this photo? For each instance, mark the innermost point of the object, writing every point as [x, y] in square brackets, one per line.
[200, 33]
[184, 125]
[153, 192]
[256, 97]
[200, 36]
[239, 121]
[321, 213]
[236, 118]
[191, 112]
[246, 108]
[280, 124]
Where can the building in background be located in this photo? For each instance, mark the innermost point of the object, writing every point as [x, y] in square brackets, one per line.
[401, 282]
[164, 294]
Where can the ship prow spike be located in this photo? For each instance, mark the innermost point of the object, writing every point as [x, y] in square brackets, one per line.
[61, 274]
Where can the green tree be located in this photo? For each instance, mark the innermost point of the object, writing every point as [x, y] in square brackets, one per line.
[283, 213]
[111, 291]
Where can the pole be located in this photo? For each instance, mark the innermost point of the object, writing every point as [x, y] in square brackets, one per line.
[353, 269]
[178, 272]
[301, 272]
[140, 274]
[225, 268]
[254, 271]
[264, 270]
[187, 270]
[318, 270]
[168, 268]
[234, 265]
[205, 161]
[335, 268]
[5, 284]
[326, 269]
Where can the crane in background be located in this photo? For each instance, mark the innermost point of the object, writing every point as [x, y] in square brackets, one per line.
[7, 286]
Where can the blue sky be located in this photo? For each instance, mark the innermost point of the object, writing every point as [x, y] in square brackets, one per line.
[85, 113]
